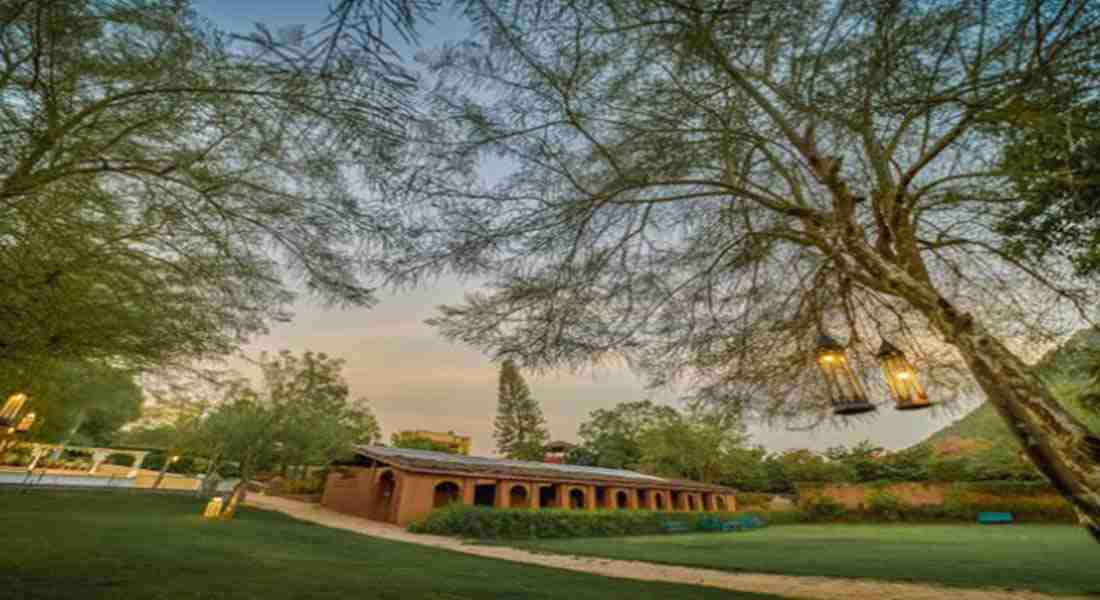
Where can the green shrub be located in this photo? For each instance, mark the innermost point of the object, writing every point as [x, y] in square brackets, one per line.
[501, 523]
[883, 504]
[309, 485]
[823, 508]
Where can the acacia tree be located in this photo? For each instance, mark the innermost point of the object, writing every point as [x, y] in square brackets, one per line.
[613, 436]
[166, 185]
[705, 186]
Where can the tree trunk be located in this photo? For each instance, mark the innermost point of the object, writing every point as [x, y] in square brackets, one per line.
[163, 470]
[239, 493]
[1060, 446]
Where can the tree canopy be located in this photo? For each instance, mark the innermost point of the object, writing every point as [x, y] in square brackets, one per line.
[703, 188]
[167, 186]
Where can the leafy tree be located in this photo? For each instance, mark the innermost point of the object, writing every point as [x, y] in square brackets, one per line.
[519, 429]
[807, 466]
[613, 436]
[702, 187]
[1055, 175]
[863, 458]
[301, 414]
[163, 178]
[688, 448]
[407, 439]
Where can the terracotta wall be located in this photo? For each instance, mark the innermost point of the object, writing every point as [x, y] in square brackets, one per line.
[854, 496]
[349, 490]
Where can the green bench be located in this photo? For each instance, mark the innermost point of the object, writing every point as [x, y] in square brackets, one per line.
[675, 527]
[994, 518]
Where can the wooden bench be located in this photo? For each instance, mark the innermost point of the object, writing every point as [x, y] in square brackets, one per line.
[675, 527]
[994, 518]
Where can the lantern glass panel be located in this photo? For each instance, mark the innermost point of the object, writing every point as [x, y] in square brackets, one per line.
[902, 380]
[846, 392]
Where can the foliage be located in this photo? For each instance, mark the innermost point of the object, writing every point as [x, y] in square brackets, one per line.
[164, 178]
[301, 414]
[494, 523]
[1055, 176]
[751, 499]
[882, 503]
[808, 466]
[823, 508]
[701, 188]
[84, 402]
[683, 447]
[408, 439]
[611, 437]
[519, 429]
[96, 547]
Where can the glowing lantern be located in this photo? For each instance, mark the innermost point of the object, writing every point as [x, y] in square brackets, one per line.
[901, 377]
[845, 390]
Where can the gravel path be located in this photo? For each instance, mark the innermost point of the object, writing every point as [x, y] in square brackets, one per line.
[813, 588]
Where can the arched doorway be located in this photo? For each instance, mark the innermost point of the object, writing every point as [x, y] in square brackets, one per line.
[384, 493]
[720, 502]
[643, 498]
[621, 500]
[676, 501]
[518, 498]
[601, 498]
[659, 500]
[691, 502]
[576, 499]
[485, 495]
[548, 496]
[446, 493]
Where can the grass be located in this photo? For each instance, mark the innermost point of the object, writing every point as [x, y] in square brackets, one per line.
[1047, 558]
[89, 546]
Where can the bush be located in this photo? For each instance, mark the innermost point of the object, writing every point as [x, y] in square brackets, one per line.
[747, 499]
[823, 508]
[309, 485]
[482, 522]
[883, 504]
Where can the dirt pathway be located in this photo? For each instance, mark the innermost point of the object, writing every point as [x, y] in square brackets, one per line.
[812, 588]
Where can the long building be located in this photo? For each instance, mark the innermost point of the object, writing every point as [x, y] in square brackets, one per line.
[399, 486]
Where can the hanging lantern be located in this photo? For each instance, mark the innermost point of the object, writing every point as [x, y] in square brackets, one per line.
[901, 377]
[845, 390]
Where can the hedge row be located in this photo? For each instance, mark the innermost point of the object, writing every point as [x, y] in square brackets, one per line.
[501, 523]
[885, 507]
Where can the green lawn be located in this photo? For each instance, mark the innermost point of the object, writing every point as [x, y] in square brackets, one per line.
[1050, 558]
[84, 546]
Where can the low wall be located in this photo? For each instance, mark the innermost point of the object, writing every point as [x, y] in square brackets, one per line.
[112, 476]
[855, 497]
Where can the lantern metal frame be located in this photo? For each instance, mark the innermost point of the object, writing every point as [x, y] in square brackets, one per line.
[901, 379]
[845, 390]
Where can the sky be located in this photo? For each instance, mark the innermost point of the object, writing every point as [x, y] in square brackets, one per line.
[415, 379]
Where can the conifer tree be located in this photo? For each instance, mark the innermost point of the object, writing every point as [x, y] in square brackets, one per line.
[519, 429]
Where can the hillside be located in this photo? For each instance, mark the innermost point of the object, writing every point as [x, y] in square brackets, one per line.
[1070, 361]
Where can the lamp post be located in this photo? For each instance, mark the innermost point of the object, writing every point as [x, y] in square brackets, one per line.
[901, 378]
[845, 390]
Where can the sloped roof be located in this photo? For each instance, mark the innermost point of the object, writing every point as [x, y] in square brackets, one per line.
[442, 462]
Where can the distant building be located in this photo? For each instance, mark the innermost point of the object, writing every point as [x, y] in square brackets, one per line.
[460, 444]
[554, 452]
[401, 485]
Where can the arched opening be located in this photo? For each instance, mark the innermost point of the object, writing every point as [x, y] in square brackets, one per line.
[691, 502]
[621, 499]
[485, 494]
[677, 501]
[720, 502]
[643, 498]
[384, 492]
[659, 500]
[576, 499]
[601, 497]
[518, 498]
[446, 493]
[548, 496]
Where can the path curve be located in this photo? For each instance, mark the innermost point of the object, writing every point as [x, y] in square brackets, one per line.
[810, 588]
